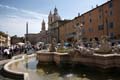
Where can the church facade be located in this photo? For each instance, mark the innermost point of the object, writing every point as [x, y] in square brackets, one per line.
[54, 23]
[99, 21]
[39, 37]
[46, 36]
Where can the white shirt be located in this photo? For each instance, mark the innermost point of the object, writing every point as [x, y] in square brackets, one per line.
[7, 51]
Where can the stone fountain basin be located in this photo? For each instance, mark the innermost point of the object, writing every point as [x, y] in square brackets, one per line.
[98, 60]
[52, 57]
[15, 74]
[22, 75]
[103, 61]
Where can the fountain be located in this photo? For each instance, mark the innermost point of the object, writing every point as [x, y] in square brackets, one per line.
[105, 47]
[29, 67]
[116, 48]
[94, 44]
[52, 45]
[35, 70]
[38, 66]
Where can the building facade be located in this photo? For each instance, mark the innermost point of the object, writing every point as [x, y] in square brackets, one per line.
[42, 36]
[102, 20]
[4, 39]
[54, 22]
[15, 39]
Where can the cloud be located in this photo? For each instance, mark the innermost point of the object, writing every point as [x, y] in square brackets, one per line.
[28, 12]
[15, 24]
[35, 14]
[8, 7]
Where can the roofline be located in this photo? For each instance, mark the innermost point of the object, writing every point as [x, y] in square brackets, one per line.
[93, 9]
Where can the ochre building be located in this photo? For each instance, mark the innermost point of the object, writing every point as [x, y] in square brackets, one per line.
[102, 20]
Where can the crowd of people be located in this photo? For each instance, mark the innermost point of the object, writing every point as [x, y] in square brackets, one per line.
[8, 52]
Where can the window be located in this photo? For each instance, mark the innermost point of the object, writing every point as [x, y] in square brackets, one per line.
[110, 13]
[90, 20]
[111, 34]
[100, 10]
[51, 19]
[111, 25]
[90, 30]
[77, 24]
[83, 30]
[100, 27]
[110, 4]
[99, 16]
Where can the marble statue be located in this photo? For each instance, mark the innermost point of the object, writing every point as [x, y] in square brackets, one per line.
[94, 43]
[52, 45]
[105, 47]
[78, 31]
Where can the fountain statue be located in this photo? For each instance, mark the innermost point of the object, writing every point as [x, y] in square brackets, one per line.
[116, 48]
[94, 43]
[52, 45]
[78, 31]
[61, 48]
[62, 44]
[105, 47]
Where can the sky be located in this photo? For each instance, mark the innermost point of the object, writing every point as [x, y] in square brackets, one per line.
[15, 13]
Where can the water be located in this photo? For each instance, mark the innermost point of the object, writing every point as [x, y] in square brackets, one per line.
[38, 71]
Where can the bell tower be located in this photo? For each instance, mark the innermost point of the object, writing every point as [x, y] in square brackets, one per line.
[55, 11]
[53, 17]
[50, 18]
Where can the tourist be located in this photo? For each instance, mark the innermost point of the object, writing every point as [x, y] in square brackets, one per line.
[6, 52]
